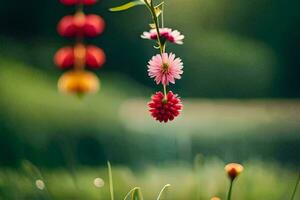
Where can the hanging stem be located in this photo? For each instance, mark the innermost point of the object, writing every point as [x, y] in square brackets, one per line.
[162, 47]
[79, 48]
[296, 186]
[162, 15]
[151, 8]
[80, 7]
[165, 92]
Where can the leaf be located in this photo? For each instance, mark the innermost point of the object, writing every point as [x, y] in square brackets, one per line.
[31, 170]
[158, 11]
[152, 26]
[127, 6]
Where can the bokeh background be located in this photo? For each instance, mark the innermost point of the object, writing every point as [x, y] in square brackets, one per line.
[240, 90]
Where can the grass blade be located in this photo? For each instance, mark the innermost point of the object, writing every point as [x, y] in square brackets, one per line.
[162, 191]
[111, 185]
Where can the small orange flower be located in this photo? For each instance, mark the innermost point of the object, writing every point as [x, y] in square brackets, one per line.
[215, 198]
[233, 170]
[79, 82]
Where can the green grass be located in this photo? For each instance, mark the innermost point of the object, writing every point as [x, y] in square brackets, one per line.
[267, 181]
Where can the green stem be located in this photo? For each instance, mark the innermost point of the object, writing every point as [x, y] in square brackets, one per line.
[296, 186]
[162, 47]
[80, 7]
[155, 20]
[230, 190]
[165, 91]
[162, 15]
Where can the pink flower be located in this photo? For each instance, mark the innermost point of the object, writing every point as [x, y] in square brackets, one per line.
[166, 34]
[164, 109]
[165, 68]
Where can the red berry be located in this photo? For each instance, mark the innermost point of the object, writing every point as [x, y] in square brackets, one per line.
[94, 25]
[64, 57]
[164, 109]
[66, 27]
[80, 24]
[69, 2]
[89, 2]
[95, 57]
[74, 2]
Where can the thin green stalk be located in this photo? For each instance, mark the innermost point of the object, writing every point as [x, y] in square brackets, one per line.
[296, 186]
[158, 33]
[165, 91]
[155, 20]
[111, 186]
[230, 190]
[162, 15]
[162, 47]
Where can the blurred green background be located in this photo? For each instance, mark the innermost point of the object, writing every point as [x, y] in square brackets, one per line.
[240, 91]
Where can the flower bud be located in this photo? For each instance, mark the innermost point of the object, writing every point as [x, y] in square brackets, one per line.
[66, 27]
[95, 57]
[215, 198]
[94, 25]
[64, 57]
[78, 82]
[233, 170]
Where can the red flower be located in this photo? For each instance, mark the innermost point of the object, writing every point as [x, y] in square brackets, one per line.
[164, 109]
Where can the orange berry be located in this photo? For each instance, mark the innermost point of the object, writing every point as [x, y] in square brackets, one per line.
[78, 82]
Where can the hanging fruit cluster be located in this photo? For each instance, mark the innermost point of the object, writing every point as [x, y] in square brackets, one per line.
[79, 57]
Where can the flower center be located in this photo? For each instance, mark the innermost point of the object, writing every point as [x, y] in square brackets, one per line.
[165, 67]
[164, 101]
